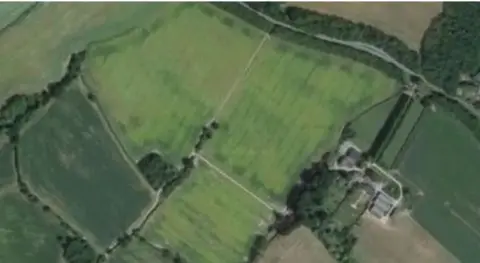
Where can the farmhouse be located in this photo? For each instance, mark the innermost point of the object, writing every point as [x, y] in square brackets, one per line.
[349, 154]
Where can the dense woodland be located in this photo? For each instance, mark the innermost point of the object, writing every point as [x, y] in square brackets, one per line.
[450, 45]
[309, 203]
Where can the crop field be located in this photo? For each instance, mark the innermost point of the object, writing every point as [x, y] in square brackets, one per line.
[402, 240]
[368, 123]
[70, 161]
[6, 163]
[442, 160]
[138, 252]
[26, 235]
[31, 60]
[299, 246]
[162, 83]
[400, 136]
[9, 12]
[407, 21]
[209, 219]
[291, 106]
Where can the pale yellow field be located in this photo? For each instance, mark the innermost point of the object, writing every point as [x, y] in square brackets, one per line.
[401, 241]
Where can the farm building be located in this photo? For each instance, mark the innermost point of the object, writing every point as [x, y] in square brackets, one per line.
[381, 205]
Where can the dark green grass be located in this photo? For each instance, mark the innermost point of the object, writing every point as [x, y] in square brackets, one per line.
[70, 160]
[367, 125]
[26, 236]
[6, 165]
[442, 160]
[139, 252]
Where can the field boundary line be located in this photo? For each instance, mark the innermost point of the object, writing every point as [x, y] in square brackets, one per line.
[8, 189]
[108, 128]
[225, 175]
[464, 221]
[241, 76]
[437, 242]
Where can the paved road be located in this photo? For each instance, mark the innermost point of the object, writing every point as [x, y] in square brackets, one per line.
[370, 49]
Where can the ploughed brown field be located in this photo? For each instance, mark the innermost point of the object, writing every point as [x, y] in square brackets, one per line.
[405, 20]
[402, 240]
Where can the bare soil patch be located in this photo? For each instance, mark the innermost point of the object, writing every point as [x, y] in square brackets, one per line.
[402, 240]
[300, 246]
[405, 20]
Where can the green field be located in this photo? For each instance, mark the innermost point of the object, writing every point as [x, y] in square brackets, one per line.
[351, 209]
[401, 134]
[9, 11]
[442, 160]
[292, 105]
[367, 125]
[34, 50]
[70, 160]
[26, 236]
[138, 252]
[6, 164]
[209, 219]
[162, 83]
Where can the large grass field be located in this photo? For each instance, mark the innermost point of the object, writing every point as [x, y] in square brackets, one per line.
[6, 164]
[209, 219]
[35, 49]
[70, 161]
[442, 160]
[26, 236]
[10, 11]
[293, 104]
[162, 83]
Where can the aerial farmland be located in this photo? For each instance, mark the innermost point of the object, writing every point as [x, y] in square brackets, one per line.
[234, 133]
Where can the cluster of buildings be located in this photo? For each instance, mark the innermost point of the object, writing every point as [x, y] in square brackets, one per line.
[350, 159]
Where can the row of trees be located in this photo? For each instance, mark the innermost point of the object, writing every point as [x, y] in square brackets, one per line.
[166, 254]
[18, 109]
[206, 134]
[340, 50]
[450, 46]
[247, 15]
[157, 170]
[340, 28]
[336, 27]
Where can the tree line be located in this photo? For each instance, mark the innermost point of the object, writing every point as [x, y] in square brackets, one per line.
[315, 23]
[18, 109]
[450, 45]
[340, 28]
[310, 206]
